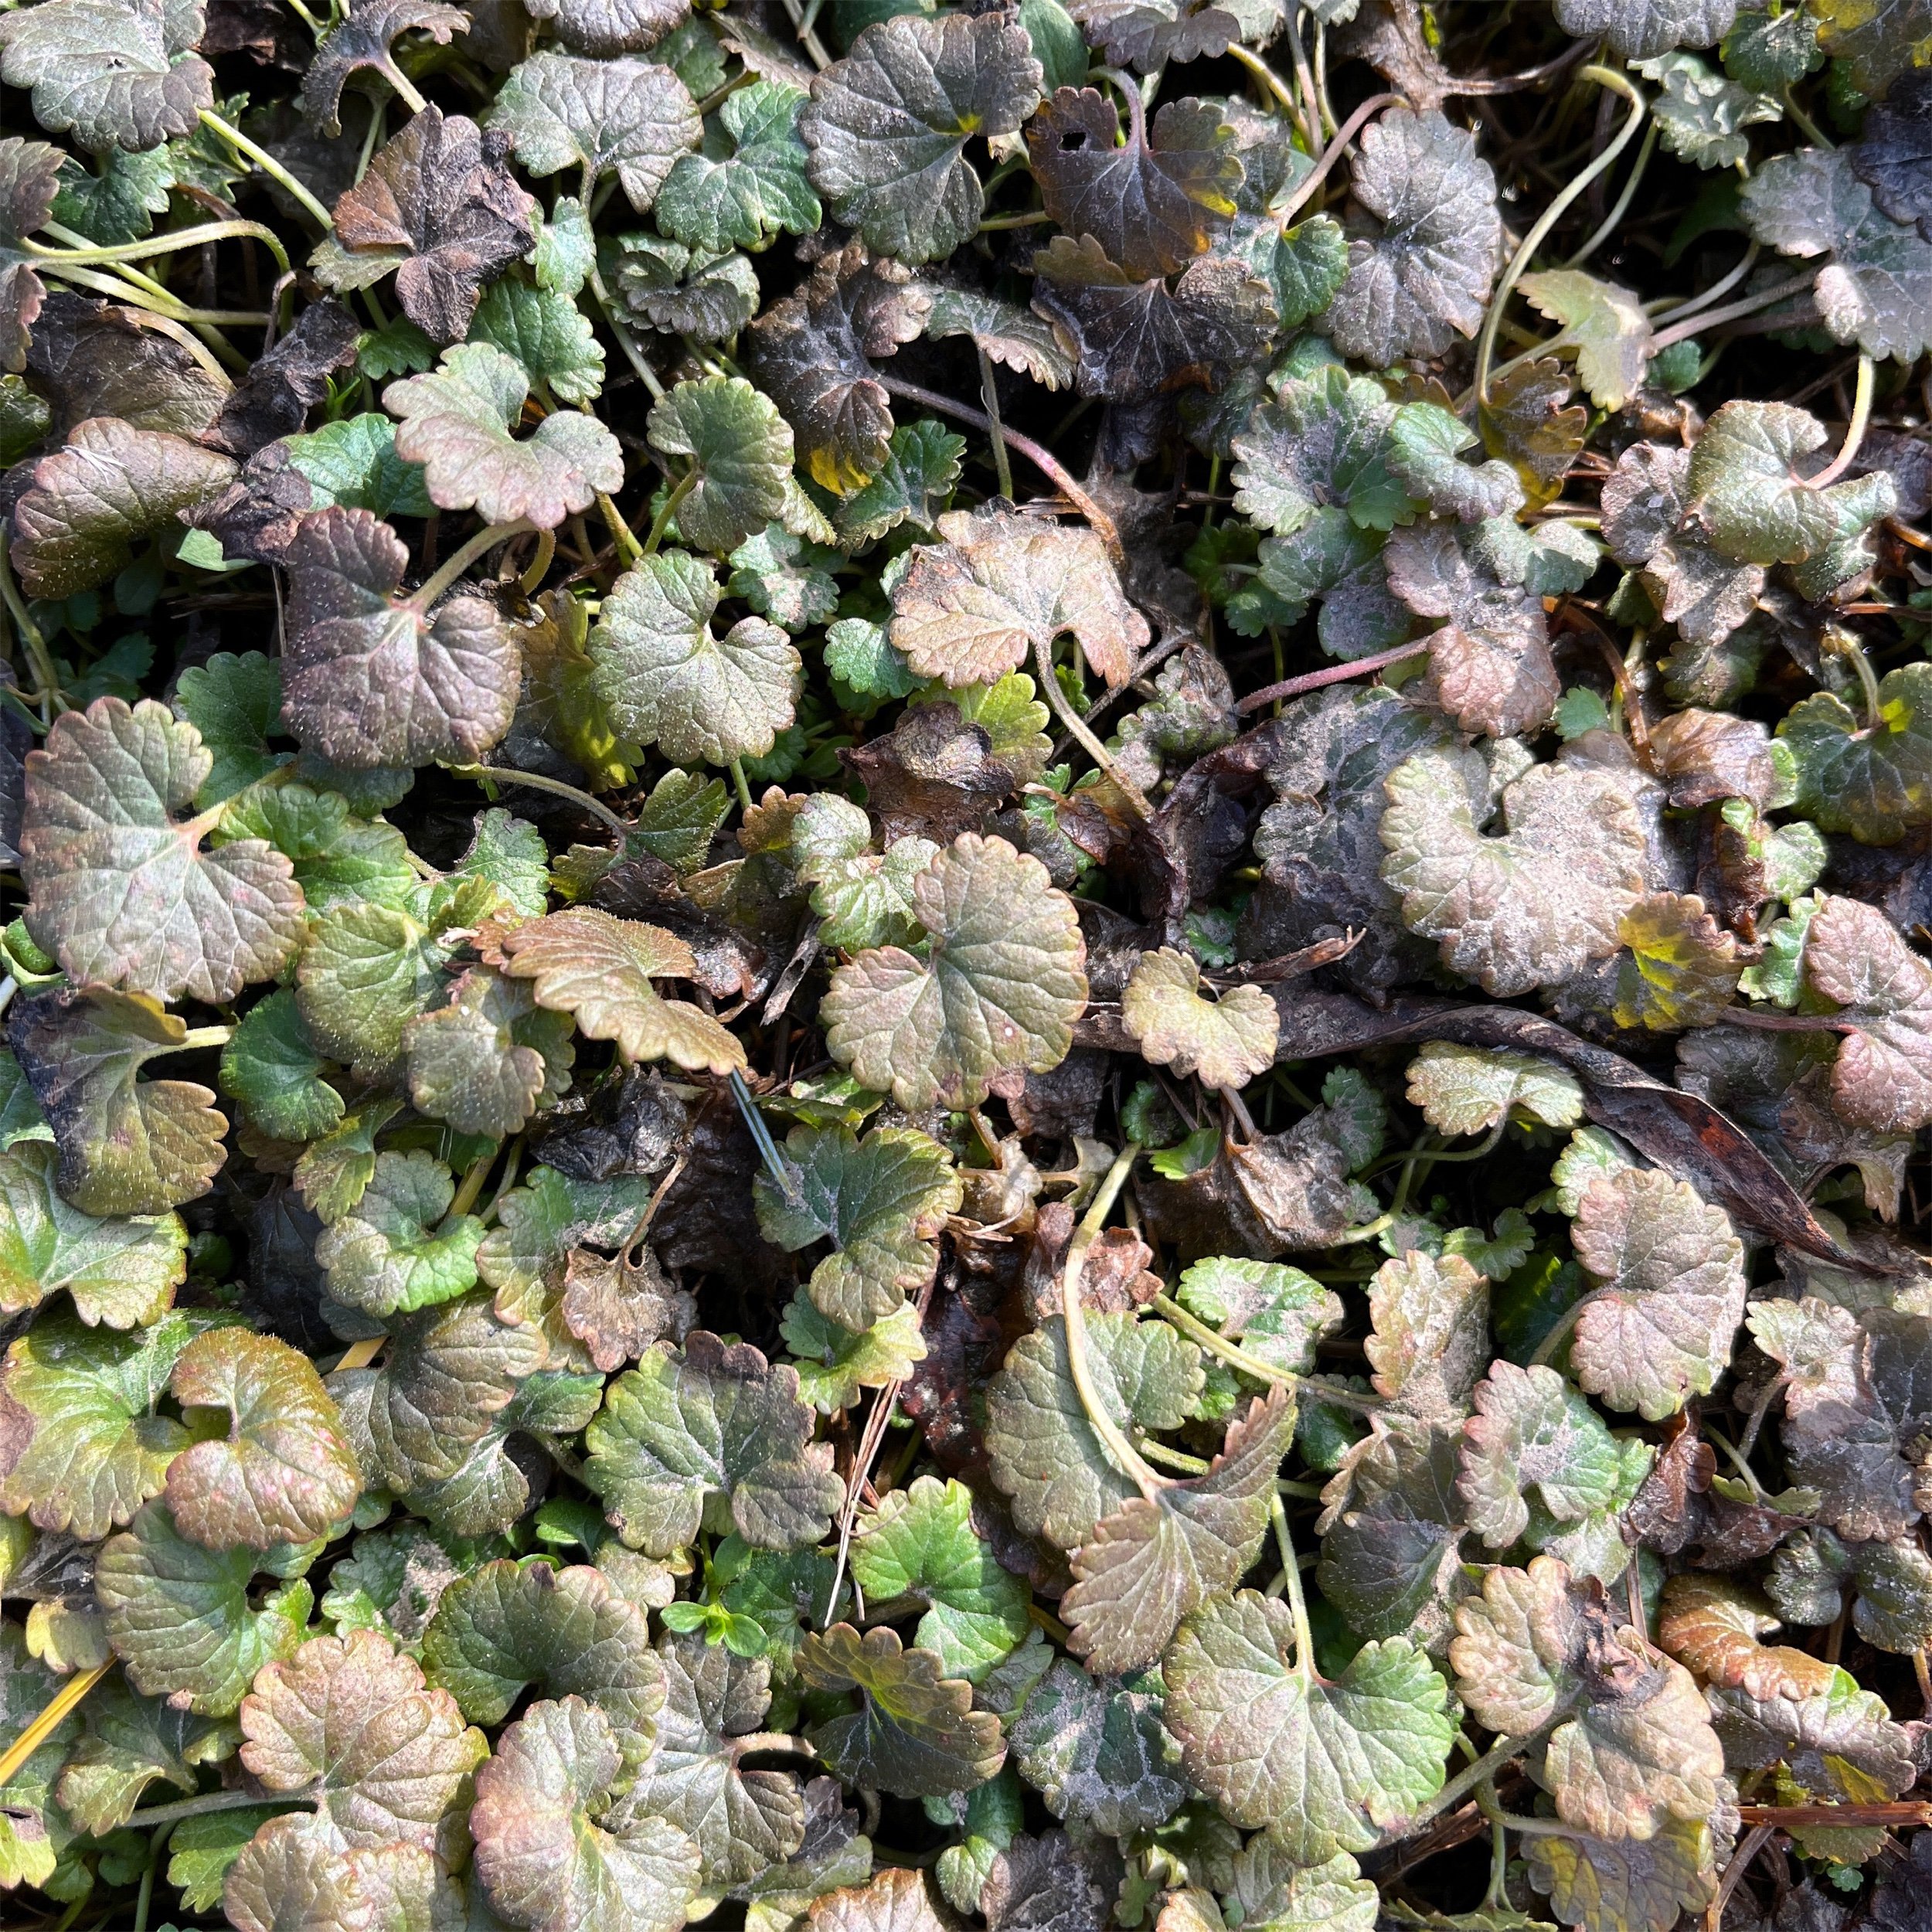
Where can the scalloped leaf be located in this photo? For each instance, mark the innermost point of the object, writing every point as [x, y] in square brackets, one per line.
[629, 117]
[1222, 1043]
[112, 72]
[392, 1252]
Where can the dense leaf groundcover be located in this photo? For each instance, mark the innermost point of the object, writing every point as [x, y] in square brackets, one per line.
[965, 962]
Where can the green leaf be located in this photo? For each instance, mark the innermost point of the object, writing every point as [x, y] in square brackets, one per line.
[130, 1742]
[272, 1069]
[740, 452]
[1467, 1090]
[1700, 114]
[367, 972]
[1326, 1765]
[887, 130]
[1425, 441]
[667, 680]
[912, 485]
[1000, 984]
[337, 857]
[547, 333]
[1097, 1752]
[202, 1852]
[835, 1364]
[1602, 1884]
[525, 1255]
[1430, 1343]
[353, 463]
[629, 117]
[712, 1434]
[785, 578]
[486, 1061]
[181, 1618]
[113, 73]
[748, 182]
[1875, 783]
[1224, 1042]
[391, 1252]
[881, 1200]
[1324, 442]
[1531, 1431]
[119, 202]
[915, 1732]
[235, 702]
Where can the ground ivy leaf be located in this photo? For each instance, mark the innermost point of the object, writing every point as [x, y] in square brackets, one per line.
[1836, 1739]
[127, 1145]
[1606, 325]
[1530, 907]
[456, 422]
[367, 972]
[897, 1900]
[666, 679]
[1640, 29]
[1531, 1431]
[1326, 1765]
[921, 1545]
[81, 1448]
[1425, 443]
[686, 291]
[387, 1758]
[1890, 156]
[1000, 987]
[599, 970]
[484, 1062]
[916, 1733]
[834, 1363]
[753, 186]
[1658, 1329]
[742, 1821]
[1392, 1528]
[353, 463]
[1430, 1343]
[554, 1852]
[233, 702]
[1467, 1090]
[1276, 1314]
[785, 578]
[1274, 1891]
[713, 1433]
[273, 1069]
[120, 889]
[1097, 1752]
[293, 1873]
[1700, 113]
[1044, 1451]
[181, 1618]
[1602, 1884]
[1157, 1560]
[913, 484]
[1855, 957]
[1523, 1645]
[882, 1201]
[130, 1742]
[544, 332]
[362, 43]
[1153, 202]
[1223, 1042]
[283, 1473]
[391, 1252]
[1874, 783]
[608, 27]
[740, 452]
[598, 117]
[1424, 276]
[887, 125]
[112, 72]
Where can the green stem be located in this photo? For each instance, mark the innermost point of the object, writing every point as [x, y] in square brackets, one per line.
[1332, 154]
[1035, 219]
[159, 1815]
[1560, 1331]
[1467, 1779]
[30, 638]
[447, 574]
[404, 85]
[539, 562]
[1732, 312]
[118, 290]
[1237, 1357]
[1613, 219]
[497, 774]
[741, 784]
[1298, 1601]
[626, 341]
[1855, 429]
[168, 244]
[989, 395]
[270, 167]
[1173, 1458]
[1805, 125]
[1073, 1316]
[771, 1741]
[661, 521]
[1524, 255]
[1709, 297]
[1075, 728]
[1269, 79]
[200, 1036]
[478, 1172]
[629, 549]
[145, 1899]
[1849, 648]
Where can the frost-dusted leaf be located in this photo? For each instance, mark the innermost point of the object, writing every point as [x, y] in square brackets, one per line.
[1154, 201]
[1699, 112]
[1874, 783]
[128, 1146]
[1645, 524]
[596, 117]
[507, 1626]
[970, 607]
[1333, 558]
[1097, 1752]
[1490, 668]
[742, 194]
[282, 1473]
[484, 1062]
[898, 1900]
[1892, 155]
[547, 333]
[30, 174]
[834, 1363]
[913, 484]
[369, 682]
[599, 970]
[1224, 1042]
[524, 1257]
[271, 1067]
[1677, 968]
[709, 297]
[1277, 1314]
[81, 1448]
[112, 72]
[1467, 1090]
[1639, 28]
[1626, 1885]
[94, 501]
[1836, 1739]
[1529, 421]
[887, 126]
[1605, 323]
[1156, 1560]
[391, 1252]
[915, 1732]
[813, 354]
[362, 42]
[1424, 276]
[438, 206]
[1147, 34]
[1326, 1765]
[1658, 1329]
[608, 27]
[291, 1876]
[181, 1618]
[457, 423]
[1044, 1453]
[1000, 988]
[921, 1546]
[1137, 339]
[1854, 957]
[617, 1307]
[1531, 906]
[120, 890]
[387, 1758]
[711, 1433]
[740, 450]
[553, 1851]
[666, 678]
[785, 578]
[880, 1200]
[1013, 337]
[1430, 1343]
[1426, 442]
[1532, 1432]
[741, 1820]
[1876, 287]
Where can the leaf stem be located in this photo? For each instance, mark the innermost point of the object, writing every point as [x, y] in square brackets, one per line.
[1850, 649]
[1297, 1600]
[1268, 78]
[741, 785]
[661, 521]
[1332, 673]
[167, 244]
[626, 341]
[159, 1815]
[394, 74]
[537, 781]
[474, 1176]
[1854, 430]
[629, 549]
[1709, 296]
[1076, 728]
[1332, 153]
[1613, 219]
[1237, 1357]
[35, 644]
[197, 1037]
[1468, 1779]
[1806, 125]
[540, 562]
[771, 1741]
[1732, 312]
[43, 1726]
[989, 395]
[453, 567]
[270, 167]
[1526, 253]
[1173, 1458]
[156, 301]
